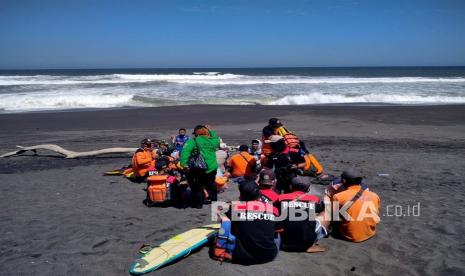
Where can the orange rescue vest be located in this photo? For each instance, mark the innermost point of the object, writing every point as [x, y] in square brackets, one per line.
[158, 190]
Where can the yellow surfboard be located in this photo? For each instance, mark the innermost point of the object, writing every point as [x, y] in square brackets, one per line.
[173, 249]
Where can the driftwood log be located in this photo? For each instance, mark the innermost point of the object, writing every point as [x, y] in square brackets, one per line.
[68, 153]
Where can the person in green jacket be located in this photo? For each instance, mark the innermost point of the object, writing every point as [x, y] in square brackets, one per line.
[208, 142]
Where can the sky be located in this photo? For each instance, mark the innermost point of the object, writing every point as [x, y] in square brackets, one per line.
[43, 34]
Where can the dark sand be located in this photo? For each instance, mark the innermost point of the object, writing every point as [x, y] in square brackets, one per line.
[62, 217]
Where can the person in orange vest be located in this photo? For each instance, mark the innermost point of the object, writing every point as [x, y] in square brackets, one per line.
[243, 163]
[143, 159]
[276, 127]
[360, 204]
[292, 141]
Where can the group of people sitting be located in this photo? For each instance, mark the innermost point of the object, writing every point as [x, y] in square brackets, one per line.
[263, 221]
[276, 210]
[170, 179]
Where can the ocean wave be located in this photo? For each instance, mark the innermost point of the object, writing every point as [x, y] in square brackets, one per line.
[321, 98]
[22, 93]
[34, 102]
[319, 80]
[210, 78]
[111, 79]
[207, 73]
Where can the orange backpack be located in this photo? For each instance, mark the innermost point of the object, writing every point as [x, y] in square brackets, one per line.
[158, 190]
[312, 165]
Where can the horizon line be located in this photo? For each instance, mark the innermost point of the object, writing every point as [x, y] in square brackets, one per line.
[222, 68]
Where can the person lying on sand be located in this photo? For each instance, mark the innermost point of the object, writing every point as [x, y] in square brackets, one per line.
[302, 234]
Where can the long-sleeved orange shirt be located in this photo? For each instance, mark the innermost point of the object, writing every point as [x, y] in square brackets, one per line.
[142, 161]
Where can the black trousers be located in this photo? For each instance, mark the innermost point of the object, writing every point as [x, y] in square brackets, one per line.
[200, 180]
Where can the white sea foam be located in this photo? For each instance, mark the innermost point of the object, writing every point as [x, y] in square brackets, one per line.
[53, 92]
[112, 79]
[209, 78]
[313, 80]
[206, 73]
[37, 102]
[320, 98]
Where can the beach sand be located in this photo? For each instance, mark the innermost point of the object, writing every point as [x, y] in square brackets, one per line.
[63, 217]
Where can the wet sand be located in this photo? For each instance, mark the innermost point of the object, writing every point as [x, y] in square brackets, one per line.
[64, 217]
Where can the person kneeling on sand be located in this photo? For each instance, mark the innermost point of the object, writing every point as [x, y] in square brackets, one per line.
[302, 228]
[357, 206]
[143, 159]
[254, 226]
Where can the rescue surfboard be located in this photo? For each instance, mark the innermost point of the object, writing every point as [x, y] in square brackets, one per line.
[175, 248]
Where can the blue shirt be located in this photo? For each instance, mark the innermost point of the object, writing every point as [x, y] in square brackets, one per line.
[179, 142]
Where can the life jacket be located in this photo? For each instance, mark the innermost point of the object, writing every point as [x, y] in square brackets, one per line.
[290, 138]
[312, 165]
[159, 190]
[292, 141]
[225, 242]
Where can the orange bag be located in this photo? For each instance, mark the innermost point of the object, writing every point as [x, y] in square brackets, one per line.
[158, 190]
[312, 165]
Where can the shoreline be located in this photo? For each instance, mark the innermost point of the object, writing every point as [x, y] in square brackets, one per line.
[145, 117]
[370, 104]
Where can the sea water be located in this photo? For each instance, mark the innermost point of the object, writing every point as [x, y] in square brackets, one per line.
[39, 90]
